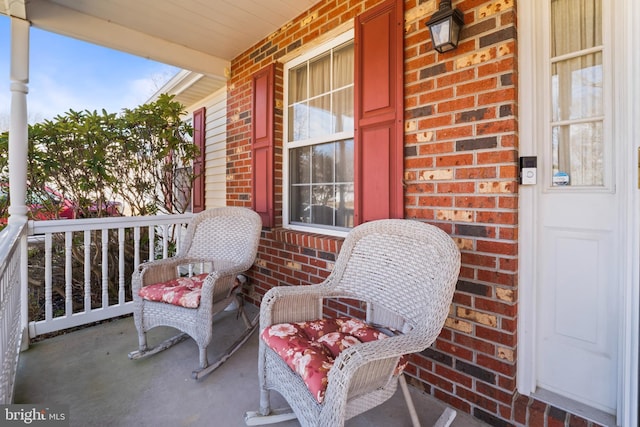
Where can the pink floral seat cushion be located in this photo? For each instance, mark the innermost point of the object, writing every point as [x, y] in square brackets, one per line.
[310, 348]
[183, 291]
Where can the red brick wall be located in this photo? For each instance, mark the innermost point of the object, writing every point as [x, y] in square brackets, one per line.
[460, 174]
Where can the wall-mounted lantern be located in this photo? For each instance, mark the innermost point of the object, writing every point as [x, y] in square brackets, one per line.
[445, 26]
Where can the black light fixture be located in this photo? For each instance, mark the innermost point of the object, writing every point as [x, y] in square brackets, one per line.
[445, 26]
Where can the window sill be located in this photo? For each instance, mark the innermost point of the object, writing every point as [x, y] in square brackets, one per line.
[320, 242]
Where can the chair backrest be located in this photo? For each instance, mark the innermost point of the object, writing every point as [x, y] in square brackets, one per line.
[226, 233]
[406, 270]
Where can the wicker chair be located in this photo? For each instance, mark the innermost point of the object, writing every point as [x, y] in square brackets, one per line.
[405, 273]
[222, 243]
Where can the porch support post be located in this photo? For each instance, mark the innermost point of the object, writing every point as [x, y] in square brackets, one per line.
[18, 136]
[18, 152]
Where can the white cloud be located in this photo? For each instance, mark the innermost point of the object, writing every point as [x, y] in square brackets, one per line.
[5, 107]
[141, 89]
[51, 95]
[66, 74]
[48, 97]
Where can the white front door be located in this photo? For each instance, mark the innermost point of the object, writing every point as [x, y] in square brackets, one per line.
[576, 205]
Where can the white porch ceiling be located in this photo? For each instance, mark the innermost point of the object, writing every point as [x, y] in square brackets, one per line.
[197, 35]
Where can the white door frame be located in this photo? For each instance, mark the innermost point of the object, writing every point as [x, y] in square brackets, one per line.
[627, 128]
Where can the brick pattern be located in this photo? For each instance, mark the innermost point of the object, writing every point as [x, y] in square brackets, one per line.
[461, 139]
[285, 257]
[460, 173]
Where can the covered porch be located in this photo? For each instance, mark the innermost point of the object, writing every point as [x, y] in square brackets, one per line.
[89, 371]
[467, 119]
[76, 357]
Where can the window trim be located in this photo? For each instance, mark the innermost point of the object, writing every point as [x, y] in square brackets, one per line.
[348, 35]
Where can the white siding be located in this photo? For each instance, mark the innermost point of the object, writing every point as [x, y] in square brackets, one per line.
[215, 161]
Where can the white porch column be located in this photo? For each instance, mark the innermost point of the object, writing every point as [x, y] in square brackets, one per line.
[18, 137]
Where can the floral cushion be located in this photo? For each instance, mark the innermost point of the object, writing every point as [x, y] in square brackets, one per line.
[184, 291]
[309, 348]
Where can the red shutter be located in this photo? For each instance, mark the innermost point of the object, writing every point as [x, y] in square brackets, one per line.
[199, 139]
[379, 112]
[262, 114]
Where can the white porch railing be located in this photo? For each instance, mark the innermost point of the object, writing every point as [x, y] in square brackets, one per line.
[89, 244]
[10, 306]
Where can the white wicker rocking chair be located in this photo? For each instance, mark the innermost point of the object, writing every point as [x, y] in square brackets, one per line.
[405, 273]
[223, 243]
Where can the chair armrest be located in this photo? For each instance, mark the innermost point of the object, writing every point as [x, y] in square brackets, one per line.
[162, 270]
[377, 360]
[219, 284]
[393, 346]
[287, 304]
[155, 271]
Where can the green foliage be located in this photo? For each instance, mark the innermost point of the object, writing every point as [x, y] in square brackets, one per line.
[134, 157]
[93, 157]
[158, 149]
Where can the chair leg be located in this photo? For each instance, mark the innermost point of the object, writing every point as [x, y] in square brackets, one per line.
[407, 397]
[142, 341]
[144, 351]
[266, 415]
[227, 354]
[274, 417]
[265, 402]
[203, 357]
[445, 419]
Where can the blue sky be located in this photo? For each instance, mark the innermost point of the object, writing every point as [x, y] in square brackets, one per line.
[70, 74]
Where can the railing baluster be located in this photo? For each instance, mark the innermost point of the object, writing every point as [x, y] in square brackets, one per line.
[136, 247]
[68, 274]
[121, 257]
[165, 241]
[105, 268]
[177, 229]
[159, 228]
[87, 271]
[48, 303]
[152, 243]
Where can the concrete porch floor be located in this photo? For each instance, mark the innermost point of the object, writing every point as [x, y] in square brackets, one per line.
[89, 370]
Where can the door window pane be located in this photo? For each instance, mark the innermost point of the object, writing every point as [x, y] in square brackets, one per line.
[577, 94]
[576, 24]
[577, 88]
[578, 148]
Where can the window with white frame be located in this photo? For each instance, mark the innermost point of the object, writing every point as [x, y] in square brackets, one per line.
[319, 131]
